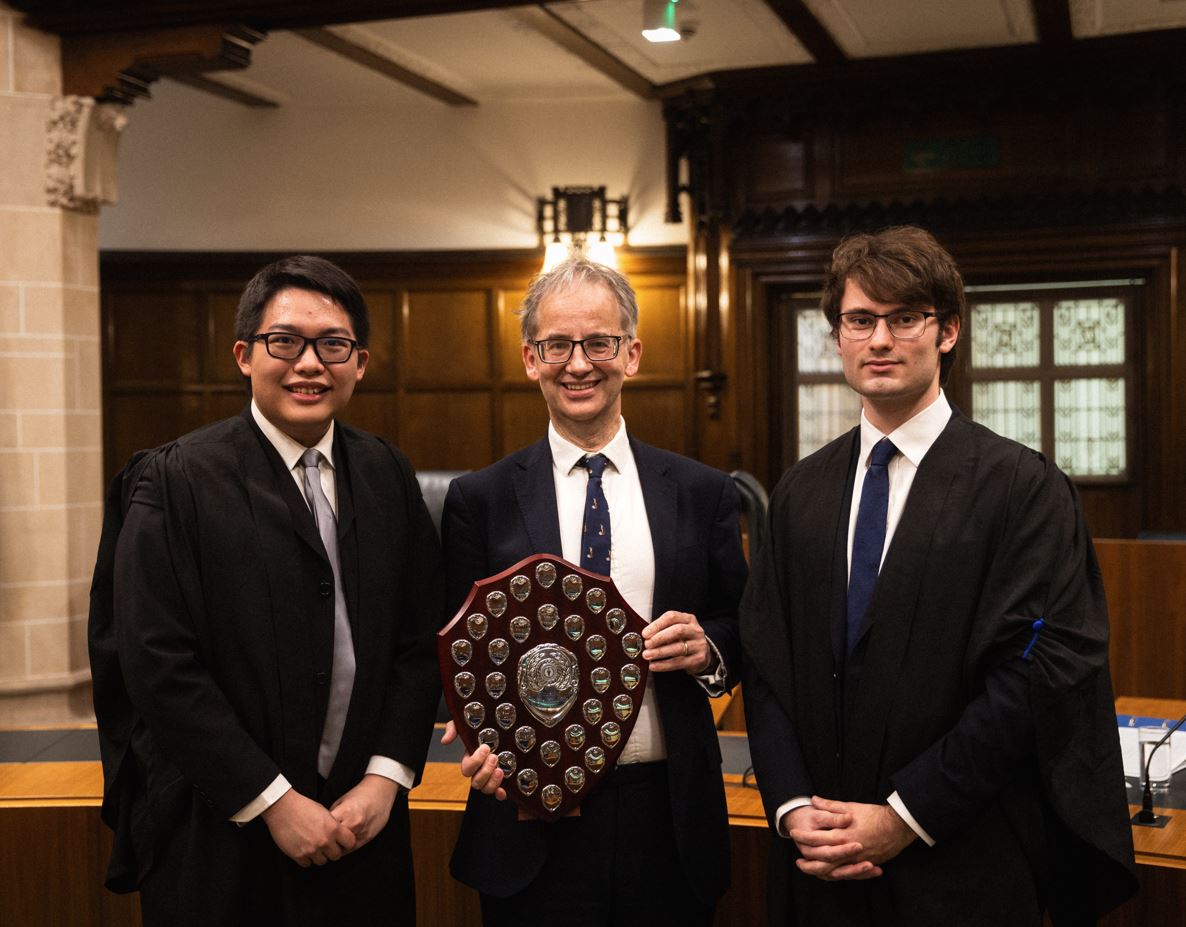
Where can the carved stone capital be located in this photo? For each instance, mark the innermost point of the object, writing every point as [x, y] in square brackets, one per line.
[81, 152]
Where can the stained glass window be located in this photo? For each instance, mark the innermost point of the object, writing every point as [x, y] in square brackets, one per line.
[826, 410]
[817, 347]
[1050, 367]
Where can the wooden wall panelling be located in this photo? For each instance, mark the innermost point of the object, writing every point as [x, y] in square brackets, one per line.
[1145, 582]
[445, 379]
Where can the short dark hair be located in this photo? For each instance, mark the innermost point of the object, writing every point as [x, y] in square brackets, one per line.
[573, 272]
[903, 265]
[302, 272]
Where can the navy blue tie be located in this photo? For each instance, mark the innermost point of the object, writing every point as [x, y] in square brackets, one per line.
[868, 537]
[595, 540]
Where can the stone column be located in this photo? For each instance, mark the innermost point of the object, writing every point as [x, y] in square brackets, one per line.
[57, 160]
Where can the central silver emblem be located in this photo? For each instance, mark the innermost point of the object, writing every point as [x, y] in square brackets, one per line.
[548, 682]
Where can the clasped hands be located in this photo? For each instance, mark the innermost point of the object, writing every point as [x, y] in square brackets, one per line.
[312, 835]
[841, 840]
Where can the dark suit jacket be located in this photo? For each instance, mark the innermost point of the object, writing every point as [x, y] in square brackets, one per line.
[223, 621]
[496, 517]
[1006, 753]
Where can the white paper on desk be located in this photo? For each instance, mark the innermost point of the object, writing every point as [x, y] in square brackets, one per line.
[1130, 750]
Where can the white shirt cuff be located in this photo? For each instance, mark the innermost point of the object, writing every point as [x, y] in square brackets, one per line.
[714, 683]
[786, 808]
[263, 801]
[391, 769]
[895, 802]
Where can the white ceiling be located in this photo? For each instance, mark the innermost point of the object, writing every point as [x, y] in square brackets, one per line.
[502, 55]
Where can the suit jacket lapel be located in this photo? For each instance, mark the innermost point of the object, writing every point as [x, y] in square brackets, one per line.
[886, 632]
[535, 492]
[660, 495]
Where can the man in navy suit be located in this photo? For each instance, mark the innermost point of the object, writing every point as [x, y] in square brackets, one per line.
[652, 844]
[927, 691]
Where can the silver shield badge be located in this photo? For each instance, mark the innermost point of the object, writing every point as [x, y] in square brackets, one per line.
[548, 682]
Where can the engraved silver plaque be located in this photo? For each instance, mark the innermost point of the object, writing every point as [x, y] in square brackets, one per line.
[551, 796]
[600, 679]
[548, 615]
[475, 714]
[528, 780]
[574, 627]
[499, 650]
[520, 629]
[477, 624]
[520, 587]
[545, 574]
[464, 684]
[505, 715]
[548, 679]
[496, 604]
[525, 738]
[532, 667]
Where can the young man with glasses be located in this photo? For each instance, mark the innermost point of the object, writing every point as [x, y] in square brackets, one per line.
[651, 845]
[927, 691]
[277, 586]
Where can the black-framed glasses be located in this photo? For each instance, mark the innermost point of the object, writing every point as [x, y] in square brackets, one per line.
[597, 348]
[330, 349]
[903, 324]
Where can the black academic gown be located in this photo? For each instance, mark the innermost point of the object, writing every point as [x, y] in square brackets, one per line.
[999, 737]
[213, 662]
[497, 516]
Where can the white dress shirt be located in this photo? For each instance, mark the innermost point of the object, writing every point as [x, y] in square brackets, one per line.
[290, 452]
[913, 439]
[632, 559]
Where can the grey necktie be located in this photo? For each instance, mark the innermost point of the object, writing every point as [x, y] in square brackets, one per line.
[342, 673]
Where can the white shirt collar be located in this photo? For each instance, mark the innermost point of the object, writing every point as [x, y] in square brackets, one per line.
[912, 438]
[565, 454]
[289, 449]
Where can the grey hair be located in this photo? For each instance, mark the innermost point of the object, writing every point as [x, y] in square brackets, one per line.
[569, 274]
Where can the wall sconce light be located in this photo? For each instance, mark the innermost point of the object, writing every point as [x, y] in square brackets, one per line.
[581, 220]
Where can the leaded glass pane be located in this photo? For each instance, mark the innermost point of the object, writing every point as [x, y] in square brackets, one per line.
[1012, 408]
[825, 411]
[1005, 335]
[817, 347]
[1089, 431]
[1088, 331]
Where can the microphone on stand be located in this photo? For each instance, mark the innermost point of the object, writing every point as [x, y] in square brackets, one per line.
[1145, 817]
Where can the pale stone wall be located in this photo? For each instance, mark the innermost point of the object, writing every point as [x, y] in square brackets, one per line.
[50, 401]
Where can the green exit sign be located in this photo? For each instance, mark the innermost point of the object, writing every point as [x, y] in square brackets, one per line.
[952, 154]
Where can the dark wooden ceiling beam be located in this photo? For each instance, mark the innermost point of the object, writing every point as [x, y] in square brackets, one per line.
[809, 31]
[224, 91]
[120, 67]
[68, 17]
[573, 40]
[1053, 21]
[360, 55]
